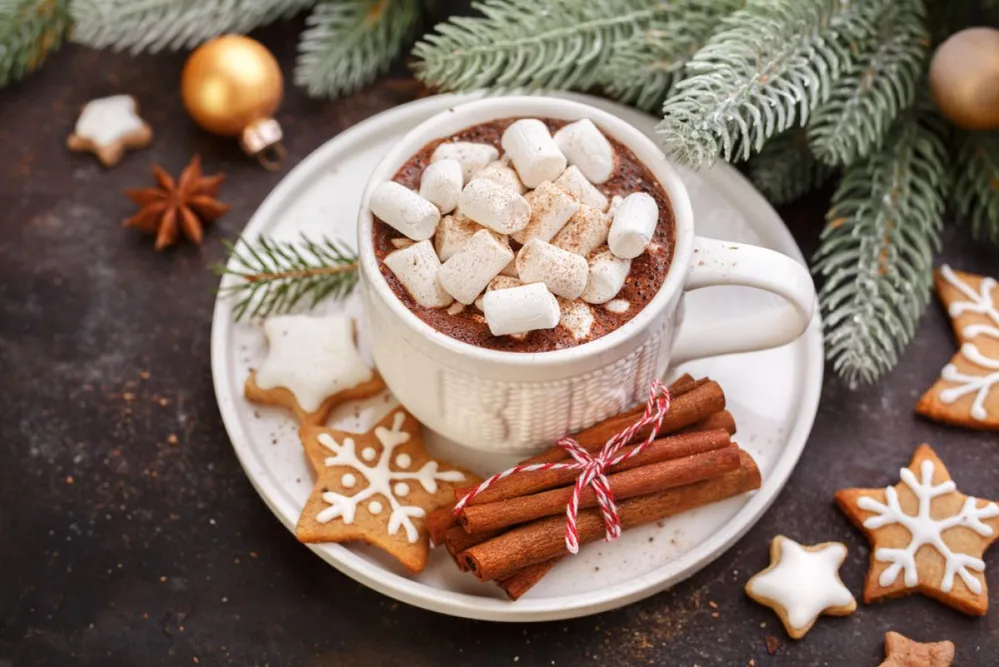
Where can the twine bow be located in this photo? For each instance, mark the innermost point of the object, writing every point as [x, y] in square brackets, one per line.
[592, 468]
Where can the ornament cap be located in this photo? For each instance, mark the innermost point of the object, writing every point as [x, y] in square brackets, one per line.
[262, 139]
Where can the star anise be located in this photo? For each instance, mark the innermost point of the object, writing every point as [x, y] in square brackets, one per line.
[174, 207]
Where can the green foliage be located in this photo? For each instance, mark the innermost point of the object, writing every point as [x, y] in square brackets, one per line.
[29, 31]
[640, 70]
[349, 42]
[786, 169]
[976, 183]
[766, 69]
[876, 252]
[523, 43]
[271, 276]
[152, 25]
[878, 84]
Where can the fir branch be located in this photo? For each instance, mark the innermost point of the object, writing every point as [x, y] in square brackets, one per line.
[876, 252]
[769, 66]
[273, 276]
[785, 169]
[349, 42]
[29, 31]
[976, 183]
[880, 82]
[523, 43]
[641, 69]
[152, 25]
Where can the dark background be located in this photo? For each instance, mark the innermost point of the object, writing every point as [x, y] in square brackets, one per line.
[118, 548]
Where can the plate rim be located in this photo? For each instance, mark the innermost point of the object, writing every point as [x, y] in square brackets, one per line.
[543, 609]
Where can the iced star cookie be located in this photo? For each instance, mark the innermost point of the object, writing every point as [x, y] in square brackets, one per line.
[802, 583]
[925, 536]
[312, 365]
[107, 127]
[377, 487]
[900, 651]
[967, 393]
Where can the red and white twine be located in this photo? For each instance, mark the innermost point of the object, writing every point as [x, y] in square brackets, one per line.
[592, 468]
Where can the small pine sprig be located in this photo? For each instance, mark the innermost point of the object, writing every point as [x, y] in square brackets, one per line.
[786, 169]
[557, 44]
[976, 183]
[766, 69]
[641, 69]
[347, 43]
[153, 25]
[271, 277]
[876, 252]
[29, 31]
[878, 84]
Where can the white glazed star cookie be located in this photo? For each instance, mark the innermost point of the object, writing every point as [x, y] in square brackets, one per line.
[802, 583]
[312, 365]
[107, 127]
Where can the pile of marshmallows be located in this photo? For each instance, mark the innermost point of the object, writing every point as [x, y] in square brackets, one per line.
[560, 217]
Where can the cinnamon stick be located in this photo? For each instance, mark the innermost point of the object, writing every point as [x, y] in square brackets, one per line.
[457, 539]
[544, 539]
[637, 481]
[719, 420]
[663, 449]
[439, 522]
[524, 579]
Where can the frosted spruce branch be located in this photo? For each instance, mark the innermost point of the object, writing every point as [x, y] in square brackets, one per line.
[29, 31]
[786, 169]
[976, 183]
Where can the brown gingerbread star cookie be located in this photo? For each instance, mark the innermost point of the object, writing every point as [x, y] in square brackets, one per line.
[312, 365]
[967, 393]
[109, 126]
[900, 651]
[377, 487]
[925, 536]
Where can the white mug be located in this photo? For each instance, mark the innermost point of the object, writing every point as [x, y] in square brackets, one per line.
[520, 402]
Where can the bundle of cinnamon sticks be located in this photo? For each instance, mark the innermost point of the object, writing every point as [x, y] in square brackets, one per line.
[513, 532]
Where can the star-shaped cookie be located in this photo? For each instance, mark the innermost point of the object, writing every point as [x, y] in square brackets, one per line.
[967, 393]
[108, 126]
[901, 651]
[802, 583]
[377, 487]
[312, 365]
[925, 536]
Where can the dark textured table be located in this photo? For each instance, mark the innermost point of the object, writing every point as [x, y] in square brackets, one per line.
[118, 548]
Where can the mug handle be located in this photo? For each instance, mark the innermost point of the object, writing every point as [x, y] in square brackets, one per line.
[727, 263]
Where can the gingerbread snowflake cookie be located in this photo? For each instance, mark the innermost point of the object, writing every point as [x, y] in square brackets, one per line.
[109, 126]
[802, 583]
[967, 393]
[312, 365]
[925, 536]
[900, 651]
[377, 487]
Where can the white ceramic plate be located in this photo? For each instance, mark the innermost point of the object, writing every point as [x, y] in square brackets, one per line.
[773, 395]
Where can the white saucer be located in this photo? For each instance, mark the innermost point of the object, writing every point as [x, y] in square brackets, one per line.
[773, 395]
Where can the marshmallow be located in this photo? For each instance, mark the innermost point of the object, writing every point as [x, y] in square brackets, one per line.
[615, 204]
[471, 156]
[618, 306]
[454, 231]
[417, 268]
[401, 242]
[563, 272]
[587, 148]
[440, 184]
[404, 210]
[520, 309]
[493, 206]
[607, 274]
[577, 318]
[511, 269]
[533, 152]
[573, 182]
[470, 269]
[634, 224]
[551, 208]
[585, 232]
[502, 173]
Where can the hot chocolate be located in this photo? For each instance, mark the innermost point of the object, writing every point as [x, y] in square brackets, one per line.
[524, 235]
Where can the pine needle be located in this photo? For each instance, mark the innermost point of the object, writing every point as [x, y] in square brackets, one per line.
[29, 31]
[786, 169]
[876, 252]
[274, 276]
[976, 183]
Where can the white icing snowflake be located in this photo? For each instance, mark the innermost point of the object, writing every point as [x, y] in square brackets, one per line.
[382, 480]
[925, 530]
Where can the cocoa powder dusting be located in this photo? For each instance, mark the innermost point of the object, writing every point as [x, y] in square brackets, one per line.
[648, 271]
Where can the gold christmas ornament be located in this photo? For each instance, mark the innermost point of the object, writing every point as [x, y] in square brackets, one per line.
[231, 86]
[964, 78]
